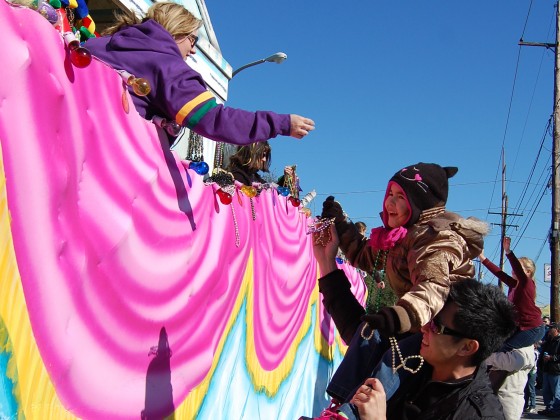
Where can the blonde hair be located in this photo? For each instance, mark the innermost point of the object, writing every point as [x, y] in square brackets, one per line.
[528, 266]
[174, 18]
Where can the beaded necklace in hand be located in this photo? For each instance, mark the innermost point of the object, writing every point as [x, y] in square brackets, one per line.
[372, 308]
[321, 232]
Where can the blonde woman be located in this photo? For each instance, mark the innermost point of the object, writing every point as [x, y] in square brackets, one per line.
[155, 48]
[522, 293]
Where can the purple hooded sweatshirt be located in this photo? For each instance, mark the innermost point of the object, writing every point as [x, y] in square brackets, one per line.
[178, 92]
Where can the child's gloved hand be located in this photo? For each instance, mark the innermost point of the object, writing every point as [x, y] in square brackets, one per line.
[385, 321]
[332, 209]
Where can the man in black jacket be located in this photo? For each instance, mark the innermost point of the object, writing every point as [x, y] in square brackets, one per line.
[452, 383]
[550, 353]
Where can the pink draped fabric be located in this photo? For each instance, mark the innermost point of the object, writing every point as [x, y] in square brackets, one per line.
[115, 238]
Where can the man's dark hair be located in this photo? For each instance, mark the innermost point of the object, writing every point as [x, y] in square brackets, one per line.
[483, 314]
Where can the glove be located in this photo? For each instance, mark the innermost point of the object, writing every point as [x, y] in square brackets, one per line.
[385, 321]
[332, 209]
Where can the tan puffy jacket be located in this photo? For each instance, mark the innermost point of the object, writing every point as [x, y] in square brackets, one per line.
[436, 251]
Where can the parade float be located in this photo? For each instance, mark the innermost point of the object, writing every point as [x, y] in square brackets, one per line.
[130, 285]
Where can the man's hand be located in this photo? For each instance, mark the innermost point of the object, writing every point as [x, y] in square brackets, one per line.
[326, 254]
[369, 399]
[300, 126]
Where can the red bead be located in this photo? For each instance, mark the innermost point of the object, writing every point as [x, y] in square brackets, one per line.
[225, 197]
[80, 57]
[295, 201]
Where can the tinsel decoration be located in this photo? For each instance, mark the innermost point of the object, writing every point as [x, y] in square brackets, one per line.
[221, 177]
[195, 148]
[195, 154]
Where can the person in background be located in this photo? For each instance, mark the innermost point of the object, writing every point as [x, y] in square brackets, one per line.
[522, 292]
[452, 383]
[530, 388]
[361, 226]
[550, 353]
[517, 363]
[546, 322]
[422, 248]
[247, 161]
[155, 48]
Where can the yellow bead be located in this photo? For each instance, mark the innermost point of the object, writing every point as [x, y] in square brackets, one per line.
[140, 86]
[249, 191]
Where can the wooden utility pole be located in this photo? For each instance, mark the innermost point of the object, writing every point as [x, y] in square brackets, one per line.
[554, 240]
[504, 215]
[503, 225]
[554, 246]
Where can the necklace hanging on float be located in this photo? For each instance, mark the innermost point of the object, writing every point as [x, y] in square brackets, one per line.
[194, 154]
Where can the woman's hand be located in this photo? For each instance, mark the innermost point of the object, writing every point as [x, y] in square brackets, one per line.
[369, 399]
[507, 244]
[325, 253]
[481, 257]
[300, 126]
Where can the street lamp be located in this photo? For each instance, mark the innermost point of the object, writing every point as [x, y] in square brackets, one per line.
[274, 58]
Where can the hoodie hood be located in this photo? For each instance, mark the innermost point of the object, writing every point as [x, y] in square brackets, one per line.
[146, 36]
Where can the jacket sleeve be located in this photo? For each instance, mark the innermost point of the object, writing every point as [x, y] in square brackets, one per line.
[512, 361]
[431, 259]
[356, 249]
[517, 268]
[237, 126]
[187, 98]
[341, 304]
[502, 276]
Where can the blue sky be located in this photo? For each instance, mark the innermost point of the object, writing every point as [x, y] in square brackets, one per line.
[394, 83]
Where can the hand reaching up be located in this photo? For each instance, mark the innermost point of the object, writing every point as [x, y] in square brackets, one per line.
[507, 244]
[325, 253]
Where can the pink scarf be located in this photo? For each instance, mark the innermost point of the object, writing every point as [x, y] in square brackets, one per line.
[384, 239]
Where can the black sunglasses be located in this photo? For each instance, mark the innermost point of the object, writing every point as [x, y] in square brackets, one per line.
[437, 328]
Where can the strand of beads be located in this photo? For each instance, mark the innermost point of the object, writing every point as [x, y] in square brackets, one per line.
[219, 155]
[396, 351]
[369, 304]
[195, 154]
[253, 215]
[370, 288]
[237, 240]
[321, 232]
[363, 332]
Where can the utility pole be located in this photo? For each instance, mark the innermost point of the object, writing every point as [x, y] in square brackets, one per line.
[554, 240]
[554, 245]
[504, 215]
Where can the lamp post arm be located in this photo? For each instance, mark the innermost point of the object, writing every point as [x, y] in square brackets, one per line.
[254, 63]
